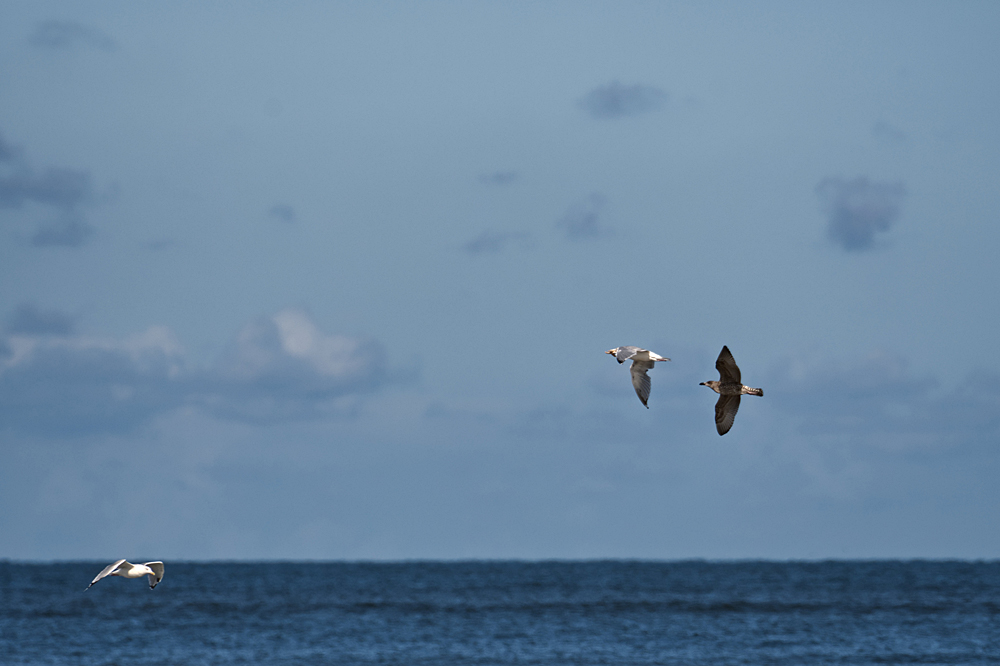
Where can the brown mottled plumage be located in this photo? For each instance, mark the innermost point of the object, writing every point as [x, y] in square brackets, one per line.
[729, 387]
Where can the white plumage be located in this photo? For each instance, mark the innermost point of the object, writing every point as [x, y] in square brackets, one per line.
[128, 570]
[642, 360]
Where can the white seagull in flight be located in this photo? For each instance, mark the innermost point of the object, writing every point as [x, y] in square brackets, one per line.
[642, 360]
[128, 570]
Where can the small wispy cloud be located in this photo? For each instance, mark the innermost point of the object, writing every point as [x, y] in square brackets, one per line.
[8, 152]
[858, 209]
[54, 186]
[56, 34]
[282, 212]
[498, 178]
[887, 132]
[582, 220]
[615, 100]
[877, 400]
[66, 232]
[63, 189]
[161, 244]
[492, 242]
[29, 319]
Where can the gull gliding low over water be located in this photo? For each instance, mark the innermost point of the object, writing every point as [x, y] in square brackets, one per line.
[729, 387]
[642, 360]
[128, 570]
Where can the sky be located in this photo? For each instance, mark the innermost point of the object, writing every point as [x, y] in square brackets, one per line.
[334, 280]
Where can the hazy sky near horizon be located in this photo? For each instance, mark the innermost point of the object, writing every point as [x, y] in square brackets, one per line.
[335, 280]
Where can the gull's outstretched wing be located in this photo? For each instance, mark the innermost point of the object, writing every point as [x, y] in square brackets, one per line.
[725, 412]
[157, 568]
[627, 352]
[108, 570]
[640, 380]
[729, 372]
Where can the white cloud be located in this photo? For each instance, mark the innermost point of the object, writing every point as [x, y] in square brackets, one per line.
[283, 367]
[76, 384]
[279, 368]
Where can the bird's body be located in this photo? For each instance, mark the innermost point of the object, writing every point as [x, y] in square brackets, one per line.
[729, 387]
[128, 570]
[642, 360]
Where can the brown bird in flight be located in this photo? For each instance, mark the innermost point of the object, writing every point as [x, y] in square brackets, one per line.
[729, 387]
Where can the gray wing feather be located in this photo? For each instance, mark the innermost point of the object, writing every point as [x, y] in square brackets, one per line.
[627, 352]
[108, 570]
[729, 372]
[725, 412]
[157, 568]
[640, 380]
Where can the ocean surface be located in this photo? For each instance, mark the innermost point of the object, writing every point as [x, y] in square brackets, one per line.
[561, 612]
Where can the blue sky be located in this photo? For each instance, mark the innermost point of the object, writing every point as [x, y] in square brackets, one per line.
[334, 280]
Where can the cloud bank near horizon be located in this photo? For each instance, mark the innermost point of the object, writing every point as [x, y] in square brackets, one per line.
[279, 368]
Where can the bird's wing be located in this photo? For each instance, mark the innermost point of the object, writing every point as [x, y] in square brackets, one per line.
[725, 412]
[640, 380]
[729, 372]
[108, 570]
[625, 353]
[157, 568]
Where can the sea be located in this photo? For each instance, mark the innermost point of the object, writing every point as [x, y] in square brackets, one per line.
[505, 612]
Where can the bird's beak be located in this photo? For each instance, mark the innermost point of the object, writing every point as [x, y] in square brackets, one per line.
[610, 351]
[701, 383]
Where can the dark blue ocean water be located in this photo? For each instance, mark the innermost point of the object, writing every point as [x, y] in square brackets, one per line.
[602, 612]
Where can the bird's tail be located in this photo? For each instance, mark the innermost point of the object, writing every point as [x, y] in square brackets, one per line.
[753, 391]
